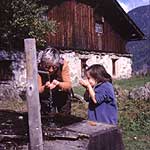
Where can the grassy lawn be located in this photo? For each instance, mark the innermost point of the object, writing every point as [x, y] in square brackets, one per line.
[134, 115]
[132, 82]
[134, 120]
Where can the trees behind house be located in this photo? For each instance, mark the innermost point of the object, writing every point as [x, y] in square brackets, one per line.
[21, 19]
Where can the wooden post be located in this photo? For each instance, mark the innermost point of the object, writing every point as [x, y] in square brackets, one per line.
[34, 116]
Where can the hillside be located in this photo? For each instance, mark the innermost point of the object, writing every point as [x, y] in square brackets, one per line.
[141, 49]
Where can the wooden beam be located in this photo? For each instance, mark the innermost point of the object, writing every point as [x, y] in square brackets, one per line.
[33, 103]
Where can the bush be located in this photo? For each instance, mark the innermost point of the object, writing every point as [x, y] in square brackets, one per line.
[23, 19]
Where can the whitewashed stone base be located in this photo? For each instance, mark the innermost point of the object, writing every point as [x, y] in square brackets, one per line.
[123, 64]
[123, 68]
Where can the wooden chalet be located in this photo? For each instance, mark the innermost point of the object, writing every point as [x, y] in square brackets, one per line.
[91, 25]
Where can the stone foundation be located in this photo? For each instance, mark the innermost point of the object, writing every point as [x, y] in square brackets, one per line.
[122, 65]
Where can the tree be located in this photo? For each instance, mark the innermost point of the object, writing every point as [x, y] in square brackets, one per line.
[21, 19]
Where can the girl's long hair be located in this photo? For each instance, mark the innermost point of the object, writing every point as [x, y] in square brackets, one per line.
[99, 73]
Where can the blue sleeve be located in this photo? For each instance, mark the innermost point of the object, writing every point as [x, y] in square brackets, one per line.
[102, 96]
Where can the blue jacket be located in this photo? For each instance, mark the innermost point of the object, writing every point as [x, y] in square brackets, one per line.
[106, 108]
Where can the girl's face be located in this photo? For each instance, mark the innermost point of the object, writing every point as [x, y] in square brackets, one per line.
[91, 80]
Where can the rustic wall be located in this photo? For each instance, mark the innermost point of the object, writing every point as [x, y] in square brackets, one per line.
[123, 65]
[18, 68]
[75, 66]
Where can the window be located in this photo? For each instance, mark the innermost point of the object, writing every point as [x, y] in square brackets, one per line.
[114, 67]
[98, 28]
[5, 70]
[99, 32]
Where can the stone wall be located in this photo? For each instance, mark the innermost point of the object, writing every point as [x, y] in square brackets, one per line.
[75, 66]
[123, 65]
[18, 68]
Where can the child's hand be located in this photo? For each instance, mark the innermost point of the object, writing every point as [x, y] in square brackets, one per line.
[84, 82]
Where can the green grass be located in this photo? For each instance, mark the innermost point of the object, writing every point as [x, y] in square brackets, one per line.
[124, 83]
[134, 115]
[132, 82]
[134, 120]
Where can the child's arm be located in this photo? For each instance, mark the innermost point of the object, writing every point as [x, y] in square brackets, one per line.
[92, 93]
[86, 84]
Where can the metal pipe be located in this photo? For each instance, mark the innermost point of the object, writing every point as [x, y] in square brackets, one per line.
[43, 72]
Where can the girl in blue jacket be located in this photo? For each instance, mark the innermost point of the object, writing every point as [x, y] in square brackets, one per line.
[100, 95]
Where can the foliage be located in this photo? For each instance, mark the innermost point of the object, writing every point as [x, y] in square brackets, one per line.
[79, 109]
[79, 90]
[24, 19]
[134, 120]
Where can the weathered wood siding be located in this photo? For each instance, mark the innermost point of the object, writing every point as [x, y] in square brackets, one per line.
[84, 31]
[63, 14]
[76, 29]
[113, 42]
[75, 26]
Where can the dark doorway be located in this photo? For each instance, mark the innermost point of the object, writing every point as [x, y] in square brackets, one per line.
[6, 70]
[114, 67]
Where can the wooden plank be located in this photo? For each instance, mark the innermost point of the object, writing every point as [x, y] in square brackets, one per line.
[34, 116]
[92, 26]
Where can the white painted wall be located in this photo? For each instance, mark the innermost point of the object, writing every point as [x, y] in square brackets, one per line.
[123, 65]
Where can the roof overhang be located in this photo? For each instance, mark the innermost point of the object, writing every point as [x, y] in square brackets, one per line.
[119, 20]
